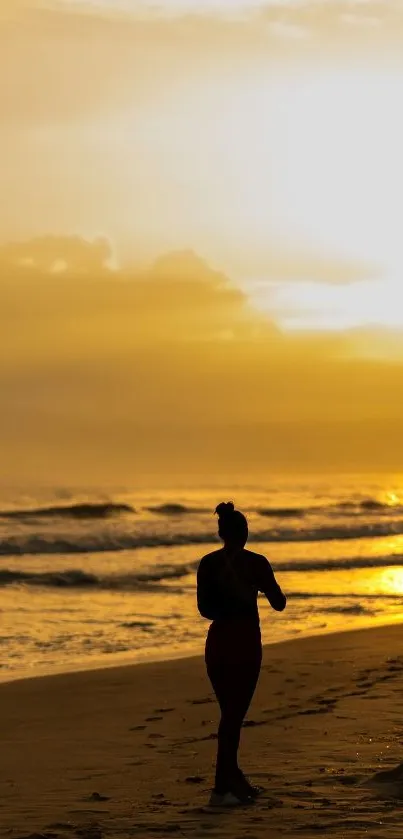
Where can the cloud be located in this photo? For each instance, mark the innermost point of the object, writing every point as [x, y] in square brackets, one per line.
[56, 67]
[45, 255]
[297, 266]
[118, 374]
[354, 19]
[58, 64]
[60, 299]
[285, 29]
[332, 23]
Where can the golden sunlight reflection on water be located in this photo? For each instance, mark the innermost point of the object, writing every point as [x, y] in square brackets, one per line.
[391, 580]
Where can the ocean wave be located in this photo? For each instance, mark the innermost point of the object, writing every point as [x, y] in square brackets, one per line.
[338, 508]
[373, 504]
[90, 510]
[282, 512]
[348, 564]
[329, 595]
[78, 578]
[350, 609]
[93, 543]
[154, 577]
[174, 509]
[145, 625]
[328, 534]
[21, 544]
[58, 579]
[367, 505]
[103, 509]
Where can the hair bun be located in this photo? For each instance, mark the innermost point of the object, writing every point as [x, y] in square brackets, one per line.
[226, 508]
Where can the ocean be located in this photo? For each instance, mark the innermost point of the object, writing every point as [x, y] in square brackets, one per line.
[94, 578]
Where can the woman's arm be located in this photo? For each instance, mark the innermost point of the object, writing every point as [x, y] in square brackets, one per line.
[205, 596]
[268, 584]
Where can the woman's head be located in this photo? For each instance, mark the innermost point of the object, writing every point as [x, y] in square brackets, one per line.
[232, 524]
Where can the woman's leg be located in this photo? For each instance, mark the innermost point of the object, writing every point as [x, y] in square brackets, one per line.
[234, 692]
[233, 666]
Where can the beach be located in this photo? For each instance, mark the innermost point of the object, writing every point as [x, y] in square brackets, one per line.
[129, 751]
[201, 379]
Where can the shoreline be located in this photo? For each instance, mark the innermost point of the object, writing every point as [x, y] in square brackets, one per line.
[188, 655]
[194, 656]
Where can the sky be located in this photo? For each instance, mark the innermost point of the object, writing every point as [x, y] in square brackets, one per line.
[247, 137]
[259, 143]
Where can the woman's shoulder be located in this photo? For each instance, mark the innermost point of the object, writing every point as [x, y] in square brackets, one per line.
[252, 556]
[257, 562]
[210, 558]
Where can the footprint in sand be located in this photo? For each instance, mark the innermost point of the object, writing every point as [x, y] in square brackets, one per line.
[387, 783]
[307, 712]
[141, 829]
[186, 741]
[398, 661]
[347, 780]
[253, 723]
[92, 831]
[45, 835]
[355, 693]
[96, 796]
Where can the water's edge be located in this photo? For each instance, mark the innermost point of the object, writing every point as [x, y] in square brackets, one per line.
[188, 654]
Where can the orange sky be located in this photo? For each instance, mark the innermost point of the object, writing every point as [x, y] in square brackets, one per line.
[258, 139]
[112, 376]
[264, 138]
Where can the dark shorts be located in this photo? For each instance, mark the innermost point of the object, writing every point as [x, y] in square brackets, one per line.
[233, 652]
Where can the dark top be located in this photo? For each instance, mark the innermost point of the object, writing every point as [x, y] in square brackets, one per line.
[228, 587]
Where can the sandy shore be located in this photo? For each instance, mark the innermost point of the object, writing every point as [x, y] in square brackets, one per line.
[129, 751]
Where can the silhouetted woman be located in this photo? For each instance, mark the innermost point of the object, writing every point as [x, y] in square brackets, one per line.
[228, 582]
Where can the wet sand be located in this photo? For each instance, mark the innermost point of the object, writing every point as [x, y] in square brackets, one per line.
[129, 751]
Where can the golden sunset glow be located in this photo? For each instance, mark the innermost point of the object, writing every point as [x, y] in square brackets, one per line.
[392, 581]
[222, 180]
[201, 418]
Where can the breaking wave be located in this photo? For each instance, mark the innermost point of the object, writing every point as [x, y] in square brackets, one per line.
[174, 509]
[349, 609]
[91, 510]
[282, 512]
[21, 544]
[77, 578]
[144, 579]
[355, 508]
